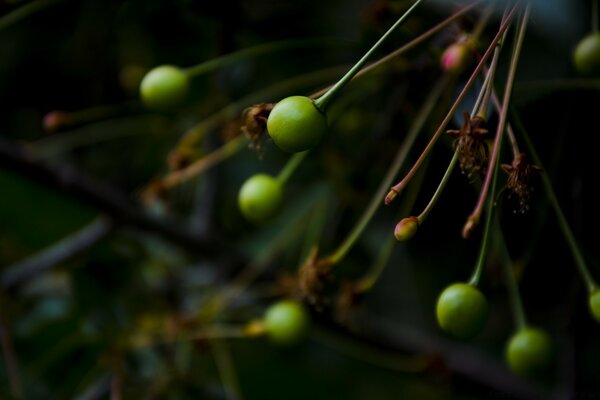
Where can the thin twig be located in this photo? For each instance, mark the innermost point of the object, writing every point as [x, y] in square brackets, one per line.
[58, 253]
[10, 360]
[98, 194]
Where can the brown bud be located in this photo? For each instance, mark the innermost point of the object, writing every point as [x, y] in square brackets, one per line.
[406, 228]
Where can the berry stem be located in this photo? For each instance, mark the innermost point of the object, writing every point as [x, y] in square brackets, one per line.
[401, 155]
[369, 279]
[514, 297]
[595, 24]
[323, 102]
[200, 166]
[226, 368]
[477, 272]
[473, 219]
[509, 130]
[396, 189]
[291, 165]
[24, 12]
[421, 217]
[254, 51]
[562, 220]
[416, 41]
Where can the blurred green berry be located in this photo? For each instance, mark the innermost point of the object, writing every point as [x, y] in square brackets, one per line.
[286, 322]
[295, 124]
[587, 55]
[164, 87]
[462, 310]
[595, 304]
[529, 351]
[260, 197]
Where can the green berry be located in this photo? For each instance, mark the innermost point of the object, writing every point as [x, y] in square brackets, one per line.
[260, 198]
[587, 55]
[164, 87]
[462, 310]
[529, 351]
[296, 124]
[286, 322]
[595, 304]
[406, 228]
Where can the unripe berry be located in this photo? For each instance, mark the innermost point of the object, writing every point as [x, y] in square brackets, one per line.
[406, 228]
[587, 55]
[260, 197]
[456, 57]
[286, 322]
[529, 351]
[595, 304]
[164, 87]
[462, 310]
[296, 124]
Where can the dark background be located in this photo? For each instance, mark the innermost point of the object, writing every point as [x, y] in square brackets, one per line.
[67, 323]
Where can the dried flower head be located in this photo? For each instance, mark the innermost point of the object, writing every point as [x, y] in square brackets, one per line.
[470, 144]
[254, 123]
[520, 174]
[312, 277]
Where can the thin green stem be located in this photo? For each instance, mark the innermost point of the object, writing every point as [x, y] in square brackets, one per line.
[323, 102]
[416, 41]
[473, 219]
[562, 220]
[402, 184]
[595, 24]
[221, 154]
[24, 12]
[243, 54]
[407, 144]
[438, 192]
[226, 369]
[514, 297]
[289, 168]
[481, 108]
[371, 277]
[477, 272]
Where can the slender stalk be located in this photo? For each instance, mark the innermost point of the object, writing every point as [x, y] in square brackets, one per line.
[10, 360]
[516, 151]
[477, 272]
[562, 220]
[371, 277]
[290, 167]
[595, 24]
[482, 108]
[438, 192]
[226, 369]
[254, 51]
[57, 253]
[323, 102]
[473, 219]
[200, 166]
[405, 147]
[402, 184]
[24, 12]
[516, 303]
[416, 41]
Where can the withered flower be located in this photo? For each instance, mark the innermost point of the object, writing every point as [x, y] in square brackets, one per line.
[312, 277]
[254, 123]
[520, 174]
[470, 144]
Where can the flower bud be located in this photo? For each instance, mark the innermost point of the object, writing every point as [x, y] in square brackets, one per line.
[456, 57]
[406, 228]
[55, 120]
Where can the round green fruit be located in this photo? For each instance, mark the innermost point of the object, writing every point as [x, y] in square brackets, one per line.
[296, 124]
[286, 322]
[595, 304]
[462, 310]
[260, 198]
[164, 87]
[529, 351]
[587, 55]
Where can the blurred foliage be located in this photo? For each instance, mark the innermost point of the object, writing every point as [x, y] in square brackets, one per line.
[72, 325]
